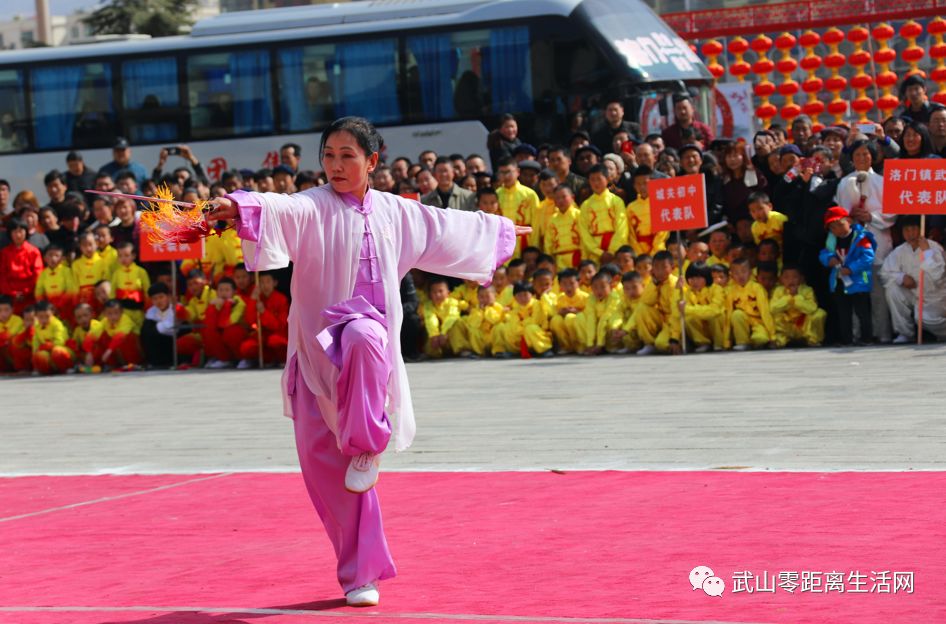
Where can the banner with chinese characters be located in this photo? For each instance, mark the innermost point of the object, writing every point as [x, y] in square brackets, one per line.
[151, 252]
[677, 203]
[915, 186]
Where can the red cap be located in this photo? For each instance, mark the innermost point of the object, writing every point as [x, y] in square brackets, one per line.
[834, 213]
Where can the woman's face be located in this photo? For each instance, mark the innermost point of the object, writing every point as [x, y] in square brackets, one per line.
[346, 164]
[912, 141]
[734, 161]
[862, 158]
[509, 129]
[50, 222]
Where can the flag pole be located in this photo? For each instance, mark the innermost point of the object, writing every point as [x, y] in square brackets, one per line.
[174, 312]
[682, 308]
[919, 307]
[259, 322]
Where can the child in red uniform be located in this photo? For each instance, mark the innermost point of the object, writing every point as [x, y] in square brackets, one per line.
[246, 288]
[224, 328]
[117, 344]
[131, 284]
[196, 300]
[21, 345]
[88, 269]
[56, 284]
[50, 353]
[20, 266]
[271, 309]
[11, 326]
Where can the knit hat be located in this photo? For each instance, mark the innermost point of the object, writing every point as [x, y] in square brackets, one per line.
[618, 162]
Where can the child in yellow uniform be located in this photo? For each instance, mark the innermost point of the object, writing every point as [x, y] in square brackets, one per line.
[570, 302]
[562, 239]
[115, 344]
[526, 325]
[11, 326]
[587, 269]
[441, 316]
[548, 182]
[542, 290]
[88, 269]
[502, 287]
[57, 284]
[599, 318]
[766, 223]
[719, 241]
[749, 314]
[131, 284]
[766, 273]
[654, 315]
[103, 242]
[85, 325]
[795, 311]
[517, 202]
[223, 253]
[482, 323]
[603, 220]
[639, 235]
[644, 264]
[624, 259]
[466, 295]
[50, 353]
[705, 311]
[631, 298]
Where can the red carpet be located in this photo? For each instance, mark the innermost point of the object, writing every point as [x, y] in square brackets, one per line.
[481, 547]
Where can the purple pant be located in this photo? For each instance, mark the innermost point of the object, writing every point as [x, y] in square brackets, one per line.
[352, 521]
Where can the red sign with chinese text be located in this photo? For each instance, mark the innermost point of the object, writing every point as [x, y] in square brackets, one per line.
[677, 203]
[915, 186]
[151, 252]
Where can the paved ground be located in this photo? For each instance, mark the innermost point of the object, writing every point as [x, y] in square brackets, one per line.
[877, 409]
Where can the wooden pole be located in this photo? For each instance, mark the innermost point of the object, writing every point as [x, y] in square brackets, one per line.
[919, 306]
[259, 321]
[174, 311]
[683, 321]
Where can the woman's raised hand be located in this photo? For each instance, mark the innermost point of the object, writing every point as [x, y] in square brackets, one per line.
[522, 230]
[222, 209]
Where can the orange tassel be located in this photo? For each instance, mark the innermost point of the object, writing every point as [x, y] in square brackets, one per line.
[166, 223]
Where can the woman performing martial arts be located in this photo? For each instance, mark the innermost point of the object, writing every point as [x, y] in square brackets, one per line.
[345, 384]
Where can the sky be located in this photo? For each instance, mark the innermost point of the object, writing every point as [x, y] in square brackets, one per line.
[56, 7]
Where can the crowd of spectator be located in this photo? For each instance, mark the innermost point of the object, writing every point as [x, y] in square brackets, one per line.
[799, 250]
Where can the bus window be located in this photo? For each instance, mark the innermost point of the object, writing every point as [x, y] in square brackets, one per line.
[363, 80]
[305, 90]
[230, 94]
[72, 106]
[151, 99]
[444, 72]
[12, 112]
[507, 70]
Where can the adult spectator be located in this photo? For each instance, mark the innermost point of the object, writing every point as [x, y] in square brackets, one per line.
[802, 132]
[264, 181]
[529, 174]
[447, 194]
[284, 180]
[901, 277]
[34, 235]
[502, 141]
[577, 141]
[55, 183]
[692, 162]
[104, 182]
[20, 266]
[893, 127]
[739, 181]
[475, 164]
[78, 177]
[182, 173]
[834, 138]
[560, 161]
[459, 165]
[290, 155]
[613, 122]
[916, 104]
[684, 121]
[656, 141]
[427, 159]
[861, 193]
[102, 211]
[121, 160]
[63, 234]
[916, 141]
[383, 180]
[127, 228]
[586, 157]
[6, 208]
[938, 130]
[399, 168]
[426, 182]
[524, 151]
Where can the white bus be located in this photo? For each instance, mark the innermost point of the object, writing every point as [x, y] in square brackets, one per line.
[432, 74]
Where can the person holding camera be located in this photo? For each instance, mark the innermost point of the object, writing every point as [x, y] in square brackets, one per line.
[184, 152]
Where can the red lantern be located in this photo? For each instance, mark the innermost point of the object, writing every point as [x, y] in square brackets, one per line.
[811, 62]
[712, 49]
[836, 83]
[739, 68]
[886, 79]
[764, 88]
[937, 28]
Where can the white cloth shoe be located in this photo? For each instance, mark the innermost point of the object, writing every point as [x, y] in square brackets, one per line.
[901, 339]
[364, 596]
[245, 364]
[702, 349]
[362, 472]
[647, 350]
[742, 347]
